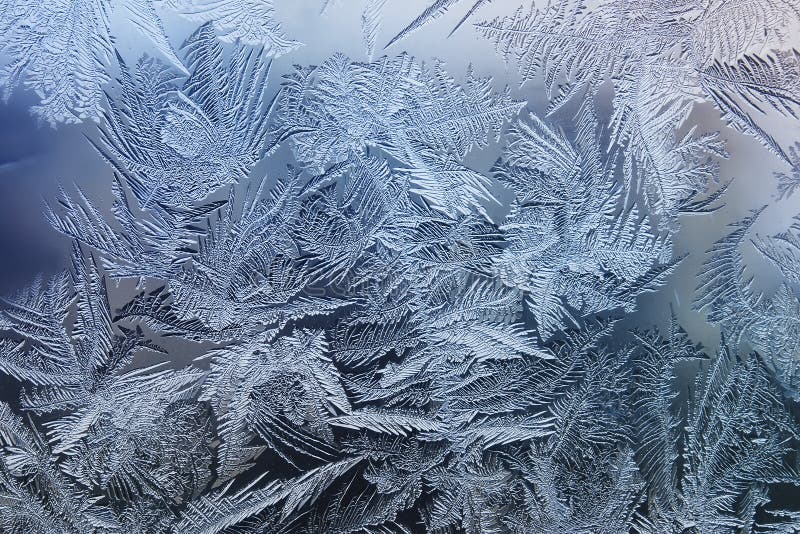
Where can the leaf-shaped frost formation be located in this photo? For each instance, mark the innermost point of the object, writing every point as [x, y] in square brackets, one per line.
[390, 334]
[250, 21]
[576, 48]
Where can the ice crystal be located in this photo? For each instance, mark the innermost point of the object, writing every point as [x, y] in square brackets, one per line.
[393, 296]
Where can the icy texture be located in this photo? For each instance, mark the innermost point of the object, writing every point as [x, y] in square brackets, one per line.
[663, 58]
[393, 335]
[61, 49]
[769, 323]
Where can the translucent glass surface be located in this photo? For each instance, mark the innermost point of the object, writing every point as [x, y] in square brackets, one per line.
[399, 266]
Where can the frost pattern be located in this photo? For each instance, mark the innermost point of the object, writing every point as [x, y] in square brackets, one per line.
[662, 62]
[57, 50]
[372, 18]
[576, 243]
[434, 11]
[60, 50]
[388, 335]
[768, 322]
[249, 21]
[413, 113]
